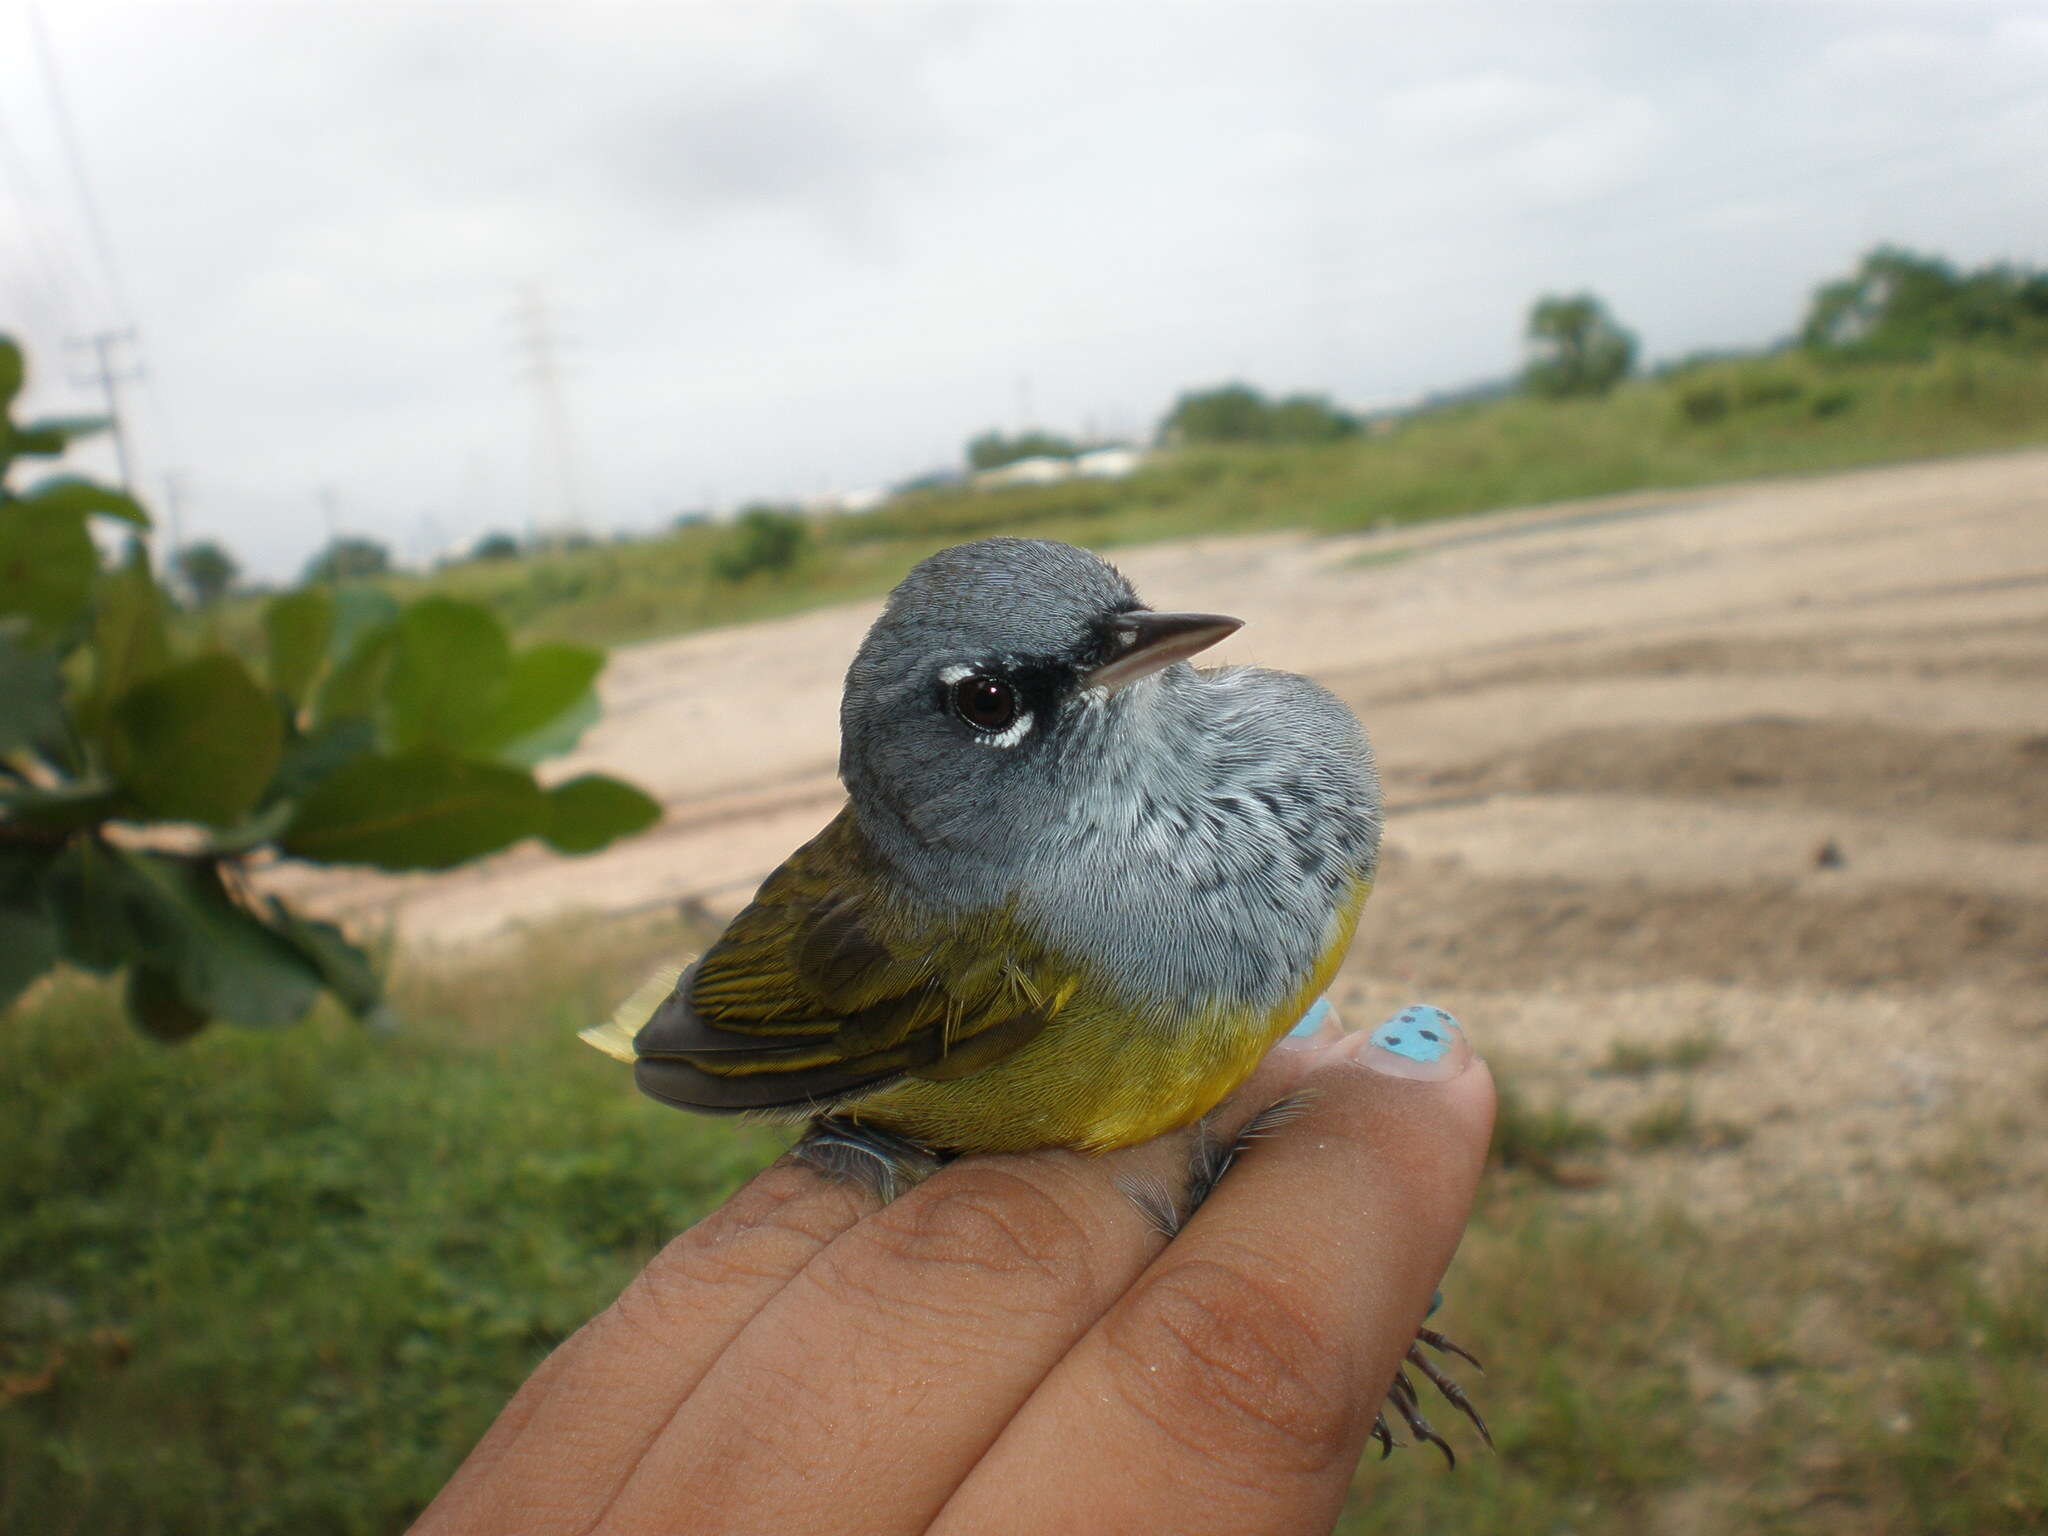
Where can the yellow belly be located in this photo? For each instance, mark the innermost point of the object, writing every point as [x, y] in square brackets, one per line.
[1095, 1079]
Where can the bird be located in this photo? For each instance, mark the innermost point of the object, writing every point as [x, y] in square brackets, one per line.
[1078, 888]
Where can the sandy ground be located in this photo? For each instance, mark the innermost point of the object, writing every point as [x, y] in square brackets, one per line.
[1768, 762]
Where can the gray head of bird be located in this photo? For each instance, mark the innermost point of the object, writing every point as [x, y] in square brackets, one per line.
[982, 701]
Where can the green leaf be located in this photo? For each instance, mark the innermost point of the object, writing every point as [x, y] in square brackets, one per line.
[12, 371]
[358, 609]
[312, 757]
[28, 947]
[453, 659]
[103, 906]
[418, 810]
[117, 907]
[47, 566]
[354, 688]
[559, 735]
[594, 809]
[299, 626]
[345, 968]
[158, 1008]
[64, 807]
[28, 932]
[253, 831]
[75, 496]
[129, 639]
[544, 685]
[198, 742]
[53, 434]
[31, 694]
[227, 963]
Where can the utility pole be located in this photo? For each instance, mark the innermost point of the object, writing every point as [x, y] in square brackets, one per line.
[556, 443]
[108, 378]
[174, 495]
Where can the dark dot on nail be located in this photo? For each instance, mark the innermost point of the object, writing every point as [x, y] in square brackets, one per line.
[1393, 1039]
[1430, 1034]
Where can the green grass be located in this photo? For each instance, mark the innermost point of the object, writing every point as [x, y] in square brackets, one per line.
[1816, 1373]
[281, 1281]
[1639, 1058]
[1779, 415]
[1550, 1141]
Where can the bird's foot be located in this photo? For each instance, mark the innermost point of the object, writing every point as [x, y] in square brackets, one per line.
[859, 1154]
[1401, 1396]
[1208, 1160]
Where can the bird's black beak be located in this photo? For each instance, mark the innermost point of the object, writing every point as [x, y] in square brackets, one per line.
[1143, 642]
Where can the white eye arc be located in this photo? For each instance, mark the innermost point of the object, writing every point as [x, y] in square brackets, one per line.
[1015, 732]
[955, 674]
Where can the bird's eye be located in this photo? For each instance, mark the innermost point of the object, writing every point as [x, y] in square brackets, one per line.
[984, 703]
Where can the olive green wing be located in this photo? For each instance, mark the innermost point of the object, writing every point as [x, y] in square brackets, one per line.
[828, 985]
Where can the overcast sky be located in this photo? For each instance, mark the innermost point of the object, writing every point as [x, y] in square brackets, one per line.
[792, 250]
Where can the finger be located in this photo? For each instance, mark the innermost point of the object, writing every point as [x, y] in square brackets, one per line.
[1232, 1388]
[567, 1442]
[894, 1359]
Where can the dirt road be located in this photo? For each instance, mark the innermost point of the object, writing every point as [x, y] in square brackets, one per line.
[1765, 764]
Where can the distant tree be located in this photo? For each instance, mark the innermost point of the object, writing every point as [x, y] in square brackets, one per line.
[495, 546]
[762, 538]
[1575, 348]
[992, 450]
[930, 480]
[1898, 303]
[206, 569]
[348, 559]
[1237, 413]
[1310, 419]
[1232, 413]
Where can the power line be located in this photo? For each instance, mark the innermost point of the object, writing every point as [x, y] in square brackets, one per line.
[74, 161]
[50, 281]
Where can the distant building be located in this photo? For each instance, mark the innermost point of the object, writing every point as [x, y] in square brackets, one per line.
[1044, 470]
[845, 501]
[1109, 463]
[862, 501]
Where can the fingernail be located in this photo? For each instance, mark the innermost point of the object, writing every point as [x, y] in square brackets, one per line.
[1419, 1042]
[1312, 1022]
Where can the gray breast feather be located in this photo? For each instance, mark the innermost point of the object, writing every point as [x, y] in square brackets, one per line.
[1209, 837]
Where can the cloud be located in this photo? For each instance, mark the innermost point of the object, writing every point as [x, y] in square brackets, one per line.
[796, 245]
[1468, 112]
[1597, 150]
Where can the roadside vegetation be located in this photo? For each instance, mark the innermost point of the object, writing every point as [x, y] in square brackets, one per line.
[1906, 357]
[1714, 421]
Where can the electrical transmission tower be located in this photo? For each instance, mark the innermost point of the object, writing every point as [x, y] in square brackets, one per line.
[109, 379]
[554, 446]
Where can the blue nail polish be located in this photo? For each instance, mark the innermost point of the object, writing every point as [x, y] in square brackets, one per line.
[1420, 1033]
[1434, 1302]
[1312, 1021]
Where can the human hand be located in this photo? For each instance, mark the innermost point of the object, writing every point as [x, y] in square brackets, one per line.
[1010, 1346]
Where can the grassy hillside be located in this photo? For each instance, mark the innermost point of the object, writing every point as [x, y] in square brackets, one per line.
[1723, 421]
[279, 1282]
